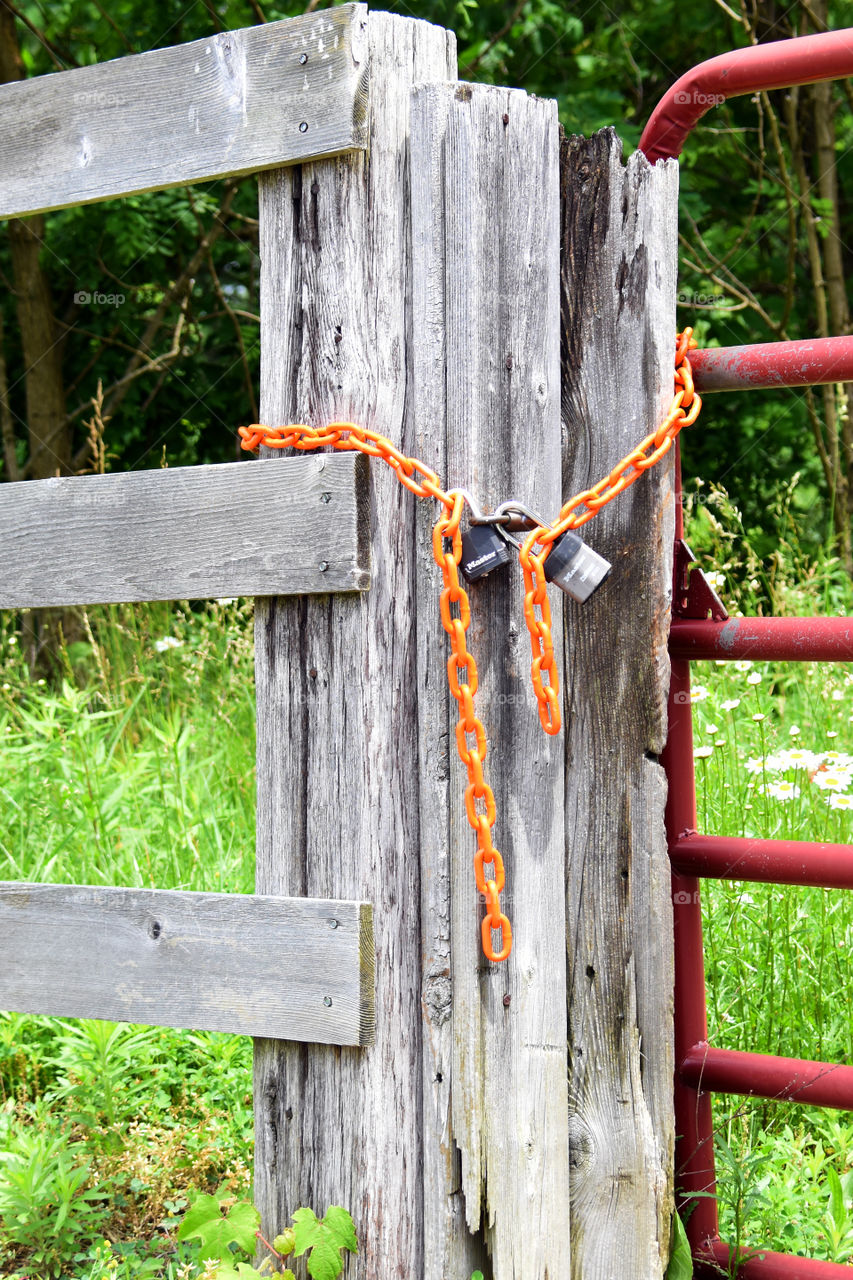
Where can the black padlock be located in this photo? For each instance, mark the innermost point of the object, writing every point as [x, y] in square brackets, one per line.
[483, 549]
[574, 567]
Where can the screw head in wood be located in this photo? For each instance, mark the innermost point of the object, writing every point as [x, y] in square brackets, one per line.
[303, 58]
[323, 566]
[303, 127]
[327, 1000]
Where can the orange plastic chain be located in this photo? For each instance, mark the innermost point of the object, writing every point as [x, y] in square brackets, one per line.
[348, 436]
[424, 482]
[683, 412]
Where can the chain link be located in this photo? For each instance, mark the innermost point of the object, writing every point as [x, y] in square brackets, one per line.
[447, 551]
[683, 412]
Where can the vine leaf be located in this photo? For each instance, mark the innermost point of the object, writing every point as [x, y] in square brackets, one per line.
[326, 1238]
[217, 1230]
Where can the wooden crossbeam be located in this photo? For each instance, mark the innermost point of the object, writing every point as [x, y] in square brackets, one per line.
[285, 968]
[233, 103]
[287, 526]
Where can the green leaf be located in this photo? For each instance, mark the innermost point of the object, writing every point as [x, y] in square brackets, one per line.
[342, 1228]
[242, 1271]
[217, 1233]
[680, 1259]
[204, 1209]
[325, 1238]
[244, 1220]
[837, 1211]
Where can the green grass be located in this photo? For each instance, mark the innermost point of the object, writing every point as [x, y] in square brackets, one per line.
[135, 767]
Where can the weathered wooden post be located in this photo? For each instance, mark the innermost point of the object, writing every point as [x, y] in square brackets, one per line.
[486, 391]
[417, 291]
[338, 793]
[618, 321]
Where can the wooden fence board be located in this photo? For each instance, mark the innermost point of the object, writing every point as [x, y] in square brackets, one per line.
[235, 102]
[619, 257]
[336, 678]
[486, 271]
[211, 961]
[243, 528]
[450, 1248]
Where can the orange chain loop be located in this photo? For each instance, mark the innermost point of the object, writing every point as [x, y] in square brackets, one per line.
[683, 412]
[461, 667]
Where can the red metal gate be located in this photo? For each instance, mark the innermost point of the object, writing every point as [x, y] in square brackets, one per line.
[701, 630]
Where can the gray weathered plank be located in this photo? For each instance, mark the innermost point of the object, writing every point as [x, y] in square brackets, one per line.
[618, 305]
[232, 103]
[450, 1248]
[183, 533]
[336, 678]
[211, 961]
[486, 269]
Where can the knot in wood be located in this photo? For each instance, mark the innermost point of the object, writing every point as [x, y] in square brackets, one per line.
[581, 1144]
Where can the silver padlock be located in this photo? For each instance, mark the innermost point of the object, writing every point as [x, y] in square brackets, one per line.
[574, 567]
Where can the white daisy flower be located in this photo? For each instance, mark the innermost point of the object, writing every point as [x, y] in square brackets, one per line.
[782, 790]
[168, 642]
[841, 801]
[794, 758]
[832, 779]
[730, 704]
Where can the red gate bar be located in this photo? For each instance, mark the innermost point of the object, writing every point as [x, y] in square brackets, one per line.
[760, 1075]
[760, 1264]
[797, 862]
[694, 1166]
[773, 364]
[778, 65]
[764, 639]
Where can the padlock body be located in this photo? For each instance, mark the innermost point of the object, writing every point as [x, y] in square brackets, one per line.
[574, 567]
[483, 550]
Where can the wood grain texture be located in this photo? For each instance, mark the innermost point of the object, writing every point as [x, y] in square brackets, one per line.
[245, 528]
[232, 103]
[211, 961]
[486, 246]
[618, 322]
[451, 1249]
[336, 678]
